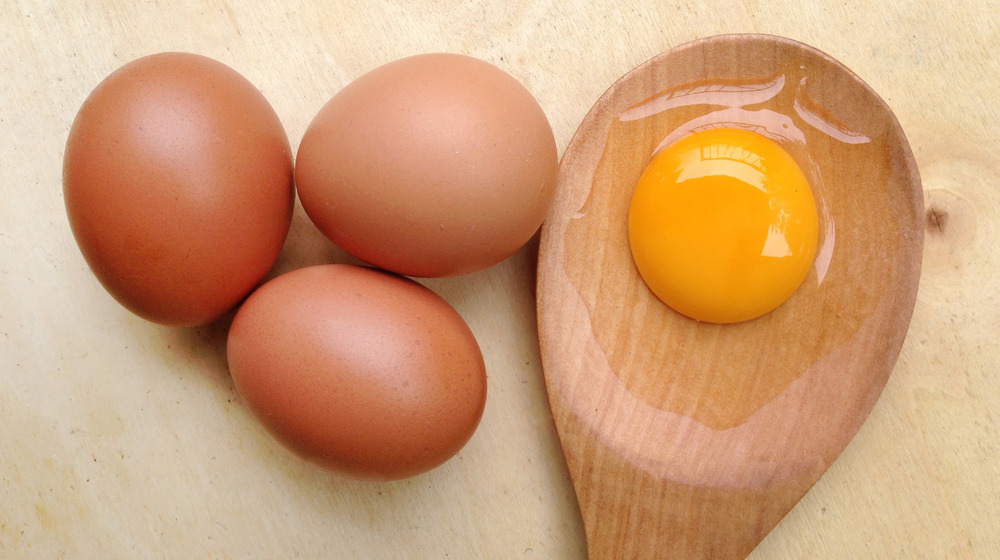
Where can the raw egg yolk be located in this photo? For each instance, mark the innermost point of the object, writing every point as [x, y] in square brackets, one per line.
[723, 225]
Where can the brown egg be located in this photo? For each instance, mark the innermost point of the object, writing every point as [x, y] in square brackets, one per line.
[177, 181]
[432, 165]
[366, 373]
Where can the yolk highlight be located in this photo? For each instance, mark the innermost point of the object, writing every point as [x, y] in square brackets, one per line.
[723, 225]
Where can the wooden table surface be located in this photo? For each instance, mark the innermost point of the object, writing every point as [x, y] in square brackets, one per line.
[124, 439]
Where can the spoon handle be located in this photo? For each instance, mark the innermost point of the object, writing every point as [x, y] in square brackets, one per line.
[629, 513]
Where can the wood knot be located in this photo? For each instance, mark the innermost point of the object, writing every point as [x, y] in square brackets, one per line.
[937, 219]
[950, 229]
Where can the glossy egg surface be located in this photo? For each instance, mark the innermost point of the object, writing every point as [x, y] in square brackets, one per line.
[177, 179]
[432, 165]
[365, 373]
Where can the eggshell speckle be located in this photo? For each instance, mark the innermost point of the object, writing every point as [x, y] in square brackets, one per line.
[432, 165]
[177, 180]
[368, 374]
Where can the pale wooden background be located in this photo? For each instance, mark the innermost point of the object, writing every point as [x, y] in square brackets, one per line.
[122, 439]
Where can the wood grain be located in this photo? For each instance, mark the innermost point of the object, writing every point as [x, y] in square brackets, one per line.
[125, 440]
[691, 440]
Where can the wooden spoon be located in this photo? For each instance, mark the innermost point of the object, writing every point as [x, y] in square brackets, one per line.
[688, 439]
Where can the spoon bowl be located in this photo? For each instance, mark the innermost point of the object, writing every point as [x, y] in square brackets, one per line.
[692, 440]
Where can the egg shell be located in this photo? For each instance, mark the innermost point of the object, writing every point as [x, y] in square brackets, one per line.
[432, 165]
[367, 374]
[177, 179]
